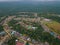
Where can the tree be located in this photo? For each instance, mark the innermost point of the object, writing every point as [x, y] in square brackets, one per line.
[12, 41]
[56, 41]
[1, 28]
[47, 37]
[27, 43]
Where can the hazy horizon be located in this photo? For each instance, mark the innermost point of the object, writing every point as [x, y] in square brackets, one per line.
[28, 0]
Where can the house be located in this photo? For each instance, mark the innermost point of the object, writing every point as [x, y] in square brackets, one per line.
[48, 20]
[34, 28]
[13, 32]
[58, 37]
[19, 43]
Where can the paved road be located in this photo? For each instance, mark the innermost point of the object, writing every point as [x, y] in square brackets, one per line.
[6, 30]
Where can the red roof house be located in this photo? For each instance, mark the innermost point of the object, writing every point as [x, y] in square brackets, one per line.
[58, 37]
[18, 43]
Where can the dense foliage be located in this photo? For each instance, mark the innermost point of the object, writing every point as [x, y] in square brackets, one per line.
[53, 17]
[1, 28]
[12, 41]
[27, 43]
[12, 8]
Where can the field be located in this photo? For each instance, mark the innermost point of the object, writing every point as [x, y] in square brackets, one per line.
[54, 26]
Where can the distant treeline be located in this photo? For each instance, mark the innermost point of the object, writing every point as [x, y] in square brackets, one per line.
[12, 8]
[50, 16]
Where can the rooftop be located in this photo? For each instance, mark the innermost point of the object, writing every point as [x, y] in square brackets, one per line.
[19, 43]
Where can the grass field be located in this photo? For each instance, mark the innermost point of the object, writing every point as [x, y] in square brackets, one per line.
[54, 26]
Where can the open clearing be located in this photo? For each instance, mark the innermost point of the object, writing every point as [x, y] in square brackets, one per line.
[54, 26]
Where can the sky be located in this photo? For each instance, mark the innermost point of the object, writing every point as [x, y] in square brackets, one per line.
[29, 0]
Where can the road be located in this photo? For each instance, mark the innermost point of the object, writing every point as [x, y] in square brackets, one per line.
[5, 29]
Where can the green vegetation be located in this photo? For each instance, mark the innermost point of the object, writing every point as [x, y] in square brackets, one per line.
[38, 34]
[47, 37]
[53, 26]
[56, 42]
[12, 23]
[27, 43]
[1, 28]
[50, 39]
[12, 8]
[55, 18]
[32, 34]
[12, 41]
[3, 18]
